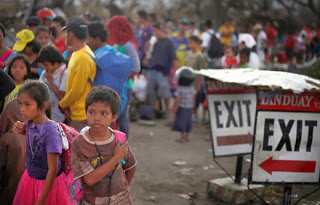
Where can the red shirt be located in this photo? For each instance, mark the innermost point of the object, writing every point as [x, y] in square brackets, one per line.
[271, 34]
[230, 63]
[290, 42]
[60, 44]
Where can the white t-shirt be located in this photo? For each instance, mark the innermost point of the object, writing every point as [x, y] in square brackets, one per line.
[262, 36]
[205, 37]
[60, 80]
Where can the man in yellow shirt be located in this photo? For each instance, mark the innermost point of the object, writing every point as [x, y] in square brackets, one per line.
[81, 68]
[226, 32]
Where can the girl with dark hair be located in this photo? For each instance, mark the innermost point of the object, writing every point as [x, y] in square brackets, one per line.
[184, 102]
[5, 52]
[28, 45]
[19, 71]
[43, 182]
[31, 51]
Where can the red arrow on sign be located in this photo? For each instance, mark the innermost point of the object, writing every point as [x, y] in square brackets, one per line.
[234, 139]
[271, 165]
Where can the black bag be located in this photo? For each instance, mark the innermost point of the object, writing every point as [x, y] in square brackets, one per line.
[215, 47]
[146, 112]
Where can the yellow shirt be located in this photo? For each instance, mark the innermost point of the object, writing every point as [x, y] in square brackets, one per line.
[81, 67]
[12, 95]
[225, 30]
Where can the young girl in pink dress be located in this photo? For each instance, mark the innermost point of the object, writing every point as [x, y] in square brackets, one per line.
[43, 182]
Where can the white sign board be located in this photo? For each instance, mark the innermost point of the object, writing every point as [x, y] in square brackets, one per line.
[287, 141]
[232, 111]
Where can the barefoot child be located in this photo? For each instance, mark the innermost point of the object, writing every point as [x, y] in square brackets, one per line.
[43, 182]
[184, 103]
[96, 154]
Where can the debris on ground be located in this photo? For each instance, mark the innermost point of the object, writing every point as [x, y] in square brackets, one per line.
[179, 163]
[188, 197]
[186, 171]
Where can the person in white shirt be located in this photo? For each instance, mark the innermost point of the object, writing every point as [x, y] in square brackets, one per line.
[206, 37]
[261, 41]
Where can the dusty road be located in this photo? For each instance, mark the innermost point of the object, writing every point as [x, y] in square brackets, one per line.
[158, 181]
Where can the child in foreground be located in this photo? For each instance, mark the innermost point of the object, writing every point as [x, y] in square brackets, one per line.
[96, 154]
[43, 182]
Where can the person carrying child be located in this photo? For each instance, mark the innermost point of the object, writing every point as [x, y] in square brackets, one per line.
[55, 75]
[96, 153]
[184, 103]
[43, 182]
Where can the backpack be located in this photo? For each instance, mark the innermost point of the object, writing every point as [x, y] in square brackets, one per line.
[75, 187]
[70, 134]
[113, 69]
[215, 49]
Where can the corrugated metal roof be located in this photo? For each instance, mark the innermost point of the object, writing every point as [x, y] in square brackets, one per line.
[264, 78]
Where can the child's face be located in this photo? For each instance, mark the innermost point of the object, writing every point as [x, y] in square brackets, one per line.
[28, 107]
[49, 66]
[99, 116]
[192, 45]
[243, 59]
[228, 53]
[43, 38]
[18, 71]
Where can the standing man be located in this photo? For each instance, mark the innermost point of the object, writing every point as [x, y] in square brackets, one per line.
[81, 68]
[180, 41]
[226, 32]
[163, 58]
[271, 36]
[208, 32]
[261, 42]
[143, 32]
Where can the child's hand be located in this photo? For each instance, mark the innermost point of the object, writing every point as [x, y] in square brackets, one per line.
[49, 77]
[121, 151]
[18, 127]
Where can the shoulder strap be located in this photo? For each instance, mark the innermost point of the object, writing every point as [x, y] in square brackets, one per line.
[93, 58]
[62, 73]
[65, 143]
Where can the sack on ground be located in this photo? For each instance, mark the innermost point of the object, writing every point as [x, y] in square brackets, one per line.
[140, 87]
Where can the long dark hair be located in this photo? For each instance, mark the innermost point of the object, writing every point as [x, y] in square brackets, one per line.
[26, 62]
[39, 92]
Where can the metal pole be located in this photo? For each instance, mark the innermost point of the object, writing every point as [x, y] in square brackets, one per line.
[238, 169]
[287, 195]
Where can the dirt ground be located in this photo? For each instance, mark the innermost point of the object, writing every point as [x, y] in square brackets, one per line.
[158, 181]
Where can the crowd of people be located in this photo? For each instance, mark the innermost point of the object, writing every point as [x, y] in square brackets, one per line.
[55, 63]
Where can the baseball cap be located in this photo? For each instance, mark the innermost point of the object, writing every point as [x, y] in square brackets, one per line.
[75, 22]
[157, 25]
[33, 20]
[22, 39]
